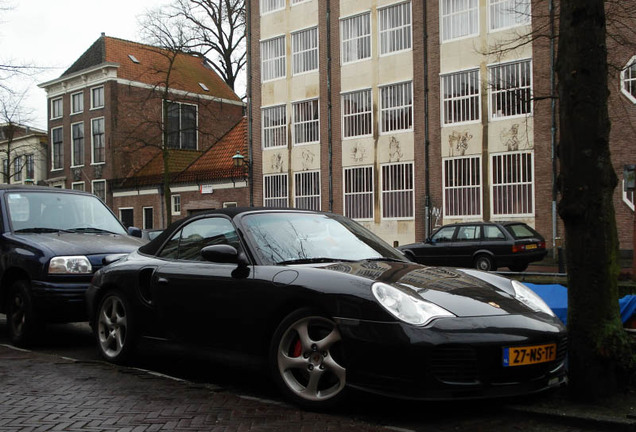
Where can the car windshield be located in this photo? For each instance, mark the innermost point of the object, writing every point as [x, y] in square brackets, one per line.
[297, 238]
[40, 212]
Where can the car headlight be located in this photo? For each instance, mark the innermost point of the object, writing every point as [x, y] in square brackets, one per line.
[529, 298]
[70, 265]
[405, 307]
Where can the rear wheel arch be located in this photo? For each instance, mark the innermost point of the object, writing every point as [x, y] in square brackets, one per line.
[484, 255]
[8, 279]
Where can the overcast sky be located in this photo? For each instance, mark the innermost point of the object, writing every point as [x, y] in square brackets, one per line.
[53, 34]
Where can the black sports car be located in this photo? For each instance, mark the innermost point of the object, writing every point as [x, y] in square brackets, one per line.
[329, 306]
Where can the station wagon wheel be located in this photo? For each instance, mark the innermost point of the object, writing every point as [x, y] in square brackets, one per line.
[484, 262]
[305, 361]
[114, 328]
[22, 321]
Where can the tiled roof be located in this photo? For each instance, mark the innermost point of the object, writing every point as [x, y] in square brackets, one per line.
[152, 173]
[148, 64]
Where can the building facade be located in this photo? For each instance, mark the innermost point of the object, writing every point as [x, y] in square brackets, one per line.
[120, 105]
[407, 115]
[23, 152]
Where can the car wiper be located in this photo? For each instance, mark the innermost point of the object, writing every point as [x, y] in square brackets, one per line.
[313, 260]
[386, 259]
[40, 230]
[90, 230]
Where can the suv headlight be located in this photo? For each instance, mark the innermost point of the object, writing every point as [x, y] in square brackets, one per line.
[529, 298]
[70, 265]
[407, 308]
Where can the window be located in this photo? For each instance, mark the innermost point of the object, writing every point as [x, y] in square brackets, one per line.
[77, 103]
[99, 143]
[510, 89]
[271, 5]
[356, 114]
[459, 18]
[398, 199]
[628, 80]
[30, 167]
[396, 112]
[306, 122]
[187, 243]
[17, 168]
[445, 234]
[462, 186]
[182, 126]
[307, 190]
[395, 28]
[305, 50]
[468, 233]
[358, 192]
[97, 97]
[99, 189]
[56, 108]
[79, 186]
[273, 63]
[176, 204]
[127, 216]
[508, 13]
[512, 184]
[355, 33]
[148, 218]
[293, 2]
[77, 138]
[5, 170]
[274, 126]
[492, 232]
[461, 97]
[57, 149]
[275, 190]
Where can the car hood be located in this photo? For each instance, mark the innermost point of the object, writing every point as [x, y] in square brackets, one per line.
[63, 243]
[463, 292]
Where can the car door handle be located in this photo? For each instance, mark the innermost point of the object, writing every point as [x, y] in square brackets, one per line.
[162, 280]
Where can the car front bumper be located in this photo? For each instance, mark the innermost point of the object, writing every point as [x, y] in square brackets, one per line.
[455, 358]
[60, 302]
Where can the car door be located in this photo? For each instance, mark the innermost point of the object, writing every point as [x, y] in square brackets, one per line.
[465, 244]
[198, 300]
[438, 250]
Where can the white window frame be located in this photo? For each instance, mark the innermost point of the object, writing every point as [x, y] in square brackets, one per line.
[77, 106]
[628, 80]
[75, 163]
[93, 183]
[462, 184]
[459, 103]
[175, 204]
[29, 166]
[392, 204]
[271, 130]
[93, 142]
[466, 15]
[270, 6]
[119, 211]
[350, 39]
[508, 94]
[295, 2]
[358, 193]
[17, 168]
[57, 108]
[61, 149]
[305, 57]
[389, 37]
[80, 186]
[394, 117]
[273, 59]
[629, 197]
[306, 122]
[143, 216]
[277, 187]
[181, 131]
[365, 99]
[99, 90]
[307, 187]
[520, 178]
[505, 14]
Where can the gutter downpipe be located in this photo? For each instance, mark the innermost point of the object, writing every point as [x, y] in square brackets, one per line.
[250, 164]
[553, 131]
[329, 108]
[427, 142]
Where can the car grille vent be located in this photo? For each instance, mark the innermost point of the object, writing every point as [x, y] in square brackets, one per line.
[455, 365]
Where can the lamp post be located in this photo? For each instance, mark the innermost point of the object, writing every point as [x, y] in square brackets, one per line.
[240, 162]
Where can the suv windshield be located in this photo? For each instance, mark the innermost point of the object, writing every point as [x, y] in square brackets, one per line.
[54, 211]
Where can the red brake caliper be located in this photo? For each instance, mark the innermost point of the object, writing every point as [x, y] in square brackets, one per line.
[298, 349]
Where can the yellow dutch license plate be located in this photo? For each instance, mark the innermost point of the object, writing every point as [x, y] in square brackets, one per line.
[528, 355]
[531, 246]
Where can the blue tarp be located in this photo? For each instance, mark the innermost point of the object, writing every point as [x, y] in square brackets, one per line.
[556, 296]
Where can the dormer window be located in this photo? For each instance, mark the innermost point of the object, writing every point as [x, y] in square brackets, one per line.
[204, 87]
[133, 58]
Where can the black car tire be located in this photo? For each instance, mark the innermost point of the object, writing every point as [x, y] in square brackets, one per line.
[484, 262]
[304, 360]
[518, 267]
[22, 322]
[114, 328]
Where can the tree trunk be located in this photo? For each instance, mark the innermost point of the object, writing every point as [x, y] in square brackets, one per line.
[598, 345]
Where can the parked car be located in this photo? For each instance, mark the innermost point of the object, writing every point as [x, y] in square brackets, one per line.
[327, 305]
[52, 241]
[483, 245]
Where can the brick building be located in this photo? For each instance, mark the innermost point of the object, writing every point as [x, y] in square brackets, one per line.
[119, 106]
[404, 116]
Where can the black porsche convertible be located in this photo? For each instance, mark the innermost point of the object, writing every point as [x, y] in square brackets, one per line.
[329, 306]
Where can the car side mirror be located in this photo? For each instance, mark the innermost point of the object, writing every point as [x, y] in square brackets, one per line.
[134, 232]
[224, 254]
[428, 240]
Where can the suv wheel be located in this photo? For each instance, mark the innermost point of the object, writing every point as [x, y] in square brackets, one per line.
[22, 322]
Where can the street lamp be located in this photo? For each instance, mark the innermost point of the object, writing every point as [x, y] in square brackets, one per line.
[238, 159]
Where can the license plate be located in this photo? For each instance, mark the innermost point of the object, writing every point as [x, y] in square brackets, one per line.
[527, 355]
[531, 246]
